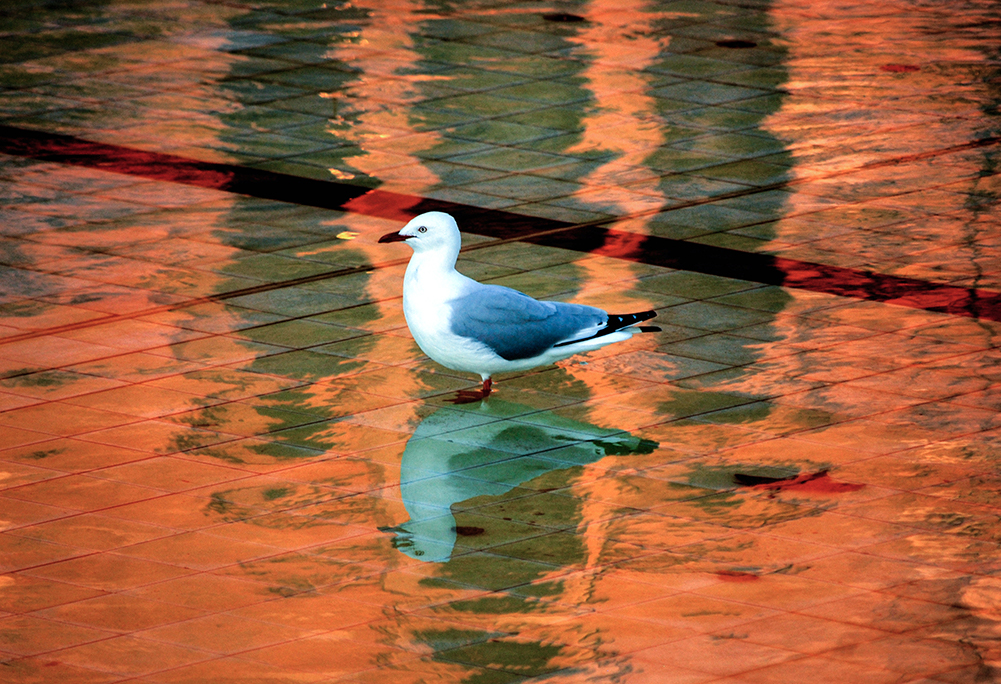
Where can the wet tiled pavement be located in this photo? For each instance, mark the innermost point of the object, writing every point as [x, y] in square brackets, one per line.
[223, 458]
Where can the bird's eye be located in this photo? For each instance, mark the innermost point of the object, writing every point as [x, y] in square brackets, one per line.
[422, 229]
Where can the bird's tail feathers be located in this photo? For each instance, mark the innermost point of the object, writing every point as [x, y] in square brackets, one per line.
[617, 322]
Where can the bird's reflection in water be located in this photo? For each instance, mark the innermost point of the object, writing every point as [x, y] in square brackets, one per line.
[454, 456]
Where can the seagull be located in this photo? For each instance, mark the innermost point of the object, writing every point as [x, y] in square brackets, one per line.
[486, 329]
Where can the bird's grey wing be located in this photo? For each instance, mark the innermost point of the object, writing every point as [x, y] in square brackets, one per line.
[515, 326]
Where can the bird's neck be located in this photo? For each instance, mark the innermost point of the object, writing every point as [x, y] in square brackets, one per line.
[438, 265]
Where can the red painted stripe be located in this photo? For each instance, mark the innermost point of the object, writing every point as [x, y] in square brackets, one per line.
[592, 238]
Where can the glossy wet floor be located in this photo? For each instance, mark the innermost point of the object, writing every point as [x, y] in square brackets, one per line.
[222, 457]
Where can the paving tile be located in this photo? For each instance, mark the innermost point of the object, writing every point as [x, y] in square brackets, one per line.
[171, 474]
[805, 634]
[716, 655]
[106, 612]
[177, 511]
[78, 491]
[819, 667]
[890, 614]
[69, 455]
[141, 401]
[107, 572]
[14, 437]
[191, 550]
[694, 612]
[222, 633]
[134, 367]
[127, 655]
[92, 532]
[157, 437]
[26, 635]
[73, 419]
[907, 655]
[206, 592]
[311, 656]
[325, 613]
[132, 335]
[223, 383]
[23, 554]
[40, 667]
[20, 474]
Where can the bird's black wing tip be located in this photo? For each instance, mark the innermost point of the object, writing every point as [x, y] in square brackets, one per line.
[618, 321]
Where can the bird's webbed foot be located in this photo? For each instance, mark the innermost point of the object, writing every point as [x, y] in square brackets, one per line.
[472, 396]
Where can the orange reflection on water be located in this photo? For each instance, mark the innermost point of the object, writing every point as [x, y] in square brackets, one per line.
[381, 124]
[781, 484]
[619, 41]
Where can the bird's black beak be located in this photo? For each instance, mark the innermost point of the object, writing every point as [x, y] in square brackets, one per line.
[394, 237]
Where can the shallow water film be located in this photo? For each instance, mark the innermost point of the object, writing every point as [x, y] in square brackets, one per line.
[224, 459]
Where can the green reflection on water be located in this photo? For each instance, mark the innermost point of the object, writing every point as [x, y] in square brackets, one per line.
[456, 463]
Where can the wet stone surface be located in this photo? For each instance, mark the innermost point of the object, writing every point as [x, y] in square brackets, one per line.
[224, 459]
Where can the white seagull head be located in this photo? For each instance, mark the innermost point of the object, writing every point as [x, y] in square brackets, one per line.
[432, 231]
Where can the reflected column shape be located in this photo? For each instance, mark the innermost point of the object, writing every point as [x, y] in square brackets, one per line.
[620, 40]
[374, 111]
[370, 114]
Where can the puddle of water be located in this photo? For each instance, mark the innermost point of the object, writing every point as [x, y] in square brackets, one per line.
[212, 414]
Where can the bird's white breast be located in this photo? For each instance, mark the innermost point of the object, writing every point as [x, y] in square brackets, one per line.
[427, 292]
